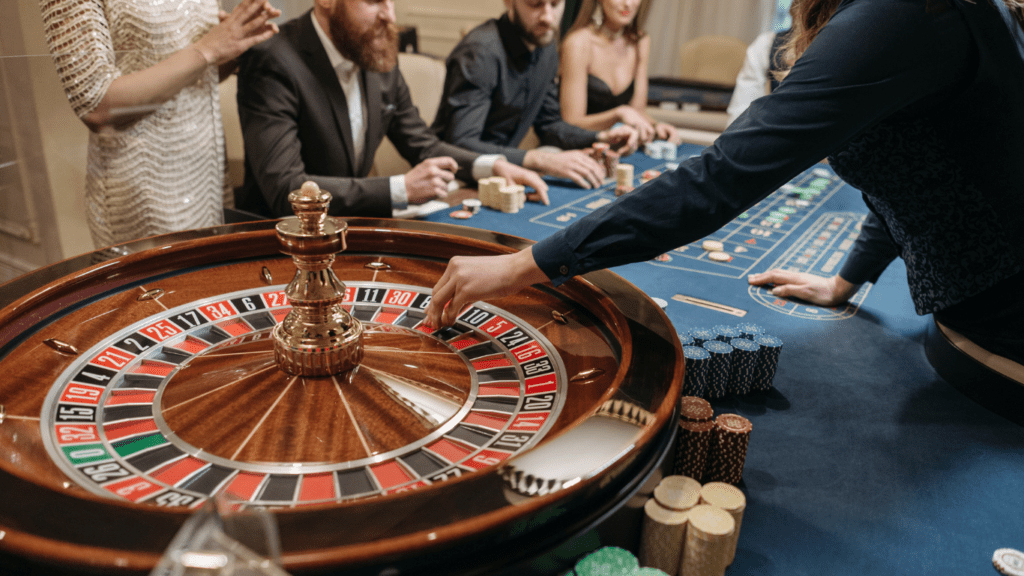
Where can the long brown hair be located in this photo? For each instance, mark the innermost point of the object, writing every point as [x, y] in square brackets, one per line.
[810, 16]
[634, 30]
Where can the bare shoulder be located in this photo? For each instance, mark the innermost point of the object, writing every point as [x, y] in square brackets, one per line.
[578, 42]
[644, 44]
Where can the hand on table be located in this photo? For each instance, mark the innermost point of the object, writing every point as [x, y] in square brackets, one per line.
[469, 279]
[826, 292]
[575, 165]
[519, 175]
[429, 179]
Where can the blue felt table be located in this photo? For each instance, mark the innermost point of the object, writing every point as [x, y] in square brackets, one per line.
[862, 460]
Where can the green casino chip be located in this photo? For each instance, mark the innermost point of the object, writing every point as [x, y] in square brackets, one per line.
[608, 561]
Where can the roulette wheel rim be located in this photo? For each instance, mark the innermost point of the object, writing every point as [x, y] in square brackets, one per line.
[474, 533]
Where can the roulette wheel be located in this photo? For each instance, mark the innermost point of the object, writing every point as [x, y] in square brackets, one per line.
[138, 388]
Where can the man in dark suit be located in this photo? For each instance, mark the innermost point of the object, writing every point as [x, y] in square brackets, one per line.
[316, 102]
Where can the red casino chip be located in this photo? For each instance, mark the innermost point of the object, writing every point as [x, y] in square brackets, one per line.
[728, 449]
[694, 409]
[692, 446]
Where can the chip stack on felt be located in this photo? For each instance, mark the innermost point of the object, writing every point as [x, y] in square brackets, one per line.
[701, 335]
[729, 360]
[743, 368]
[709, 533]
[726, 333]
[664, 529]
[727, 451]
[732, 500]
[767, 361]
[694, 438]
[697, 359]
[611, 163]
[489, 190]
[511, 198]
[623, 179]
[719, 368]
[750, 330]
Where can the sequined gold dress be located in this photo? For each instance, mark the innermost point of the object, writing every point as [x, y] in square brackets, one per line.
[165, 172]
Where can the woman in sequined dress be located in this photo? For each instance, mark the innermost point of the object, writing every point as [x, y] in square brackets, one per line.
[142, 75]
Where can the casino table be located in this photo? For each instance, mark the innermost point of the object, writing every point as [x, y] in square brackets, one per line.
[862, 459]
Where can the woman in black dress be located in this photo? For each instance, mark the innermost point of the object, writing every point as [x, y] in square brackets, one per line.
[603, 65]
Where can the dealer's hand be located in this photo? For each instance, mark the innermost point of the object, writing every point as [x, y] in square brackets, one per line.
[469, 279]
[826, 292]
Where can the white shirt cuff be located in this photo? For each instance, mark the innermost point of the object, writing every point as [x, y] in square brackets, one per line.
[399, 196]
[483, 166]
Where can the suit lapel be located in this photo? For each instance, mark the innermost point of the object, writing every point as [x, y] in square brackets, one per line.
[374, 130]
[320, 65]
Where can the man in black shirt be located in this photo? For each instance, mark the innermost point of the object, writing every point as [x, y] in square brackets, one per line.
[501, 81]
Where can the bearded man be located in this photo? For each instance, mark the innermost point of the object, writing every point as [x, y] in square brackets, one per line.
[501, 82]
[316, 103]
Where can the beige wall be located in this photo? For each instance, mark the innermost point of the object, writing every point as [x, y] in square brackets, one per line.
[44, 146]
[440, 24]
[64, 138]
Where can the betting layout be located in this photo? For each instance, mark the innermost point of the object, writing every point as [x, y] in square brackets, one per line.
[130, 418]
[744, 245]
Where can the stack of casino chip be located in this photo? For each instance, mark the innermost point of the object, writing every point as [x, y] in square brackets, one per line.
[664, 528]
[702, 335]
[708, 536]
[749, 330]
[623, 179]
[767, 361]
[511, 198]
[743, 368]
[728, 498]
[489, 191]
[719, 368]
[727, 451]
[694, 439]
[611, 164]
[608, 561]
[697, 359]
[694, 409]
[726, 333]
[662, 150]
[739, 359]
